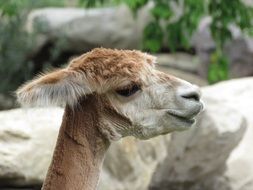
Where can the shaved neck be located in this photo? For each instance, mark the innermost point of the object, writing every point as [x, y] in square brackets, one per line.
[79, 151]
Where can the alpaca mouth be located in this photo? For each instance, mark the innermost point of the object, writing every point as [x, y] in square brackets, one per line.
[184, 118]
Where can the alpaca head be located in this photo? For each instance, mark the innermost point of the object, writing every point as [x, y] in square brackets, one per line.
[133, 98]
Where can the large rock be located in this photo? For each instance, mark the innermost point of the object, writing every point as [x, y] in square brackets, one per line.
[79, 30]
[182, 61]
[181, 65]
[210, 164]
[27, 138]
[130, 163]
[195, 79]
[238, 94]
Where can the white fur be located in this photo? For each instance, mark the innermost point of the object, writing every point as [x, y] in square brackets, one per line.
[148, 109]
[66, 91]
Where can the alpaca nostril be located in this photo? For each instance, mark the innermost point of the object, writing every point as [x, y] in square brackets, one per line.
[192, 93]
[191, 96]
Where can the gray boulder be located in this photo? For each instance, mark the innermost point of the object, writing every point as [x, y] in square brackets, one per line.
[130, 163]
[216, 162]
[238, 94]
[79, 30]
[181, 61]
[181, 65]
[27, 138]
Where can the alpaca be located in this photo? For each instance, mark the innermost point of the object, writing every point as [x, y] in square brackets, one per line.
[108, 94]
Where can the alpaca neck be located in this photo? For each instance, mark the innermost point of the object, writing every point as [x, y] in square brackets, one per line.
[79, 151]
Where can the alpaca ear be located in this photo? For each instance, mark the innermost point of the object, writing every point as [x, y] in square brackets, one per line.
[56, 88]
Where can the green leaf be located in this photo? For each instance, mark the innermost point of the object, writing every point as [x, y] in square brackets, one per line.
[134, 5]
[218, 68]
[153, 37]
[91, 3]
[162, 10]
[152, 45]
[177, 36]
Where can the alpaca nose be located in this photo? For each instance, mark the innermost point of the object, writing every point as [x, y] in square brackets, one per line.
[190, 93]
[188, 98]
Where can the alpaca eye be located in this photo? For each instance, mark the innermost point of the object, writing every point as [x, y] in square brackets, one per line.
[128, 91]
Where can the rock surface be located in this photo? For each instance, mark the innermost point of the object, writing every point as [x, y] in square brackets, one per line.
[129, 164]
[238, 94]
[211, 170]
[182, 61]
[27, 138]
[80, 30]
[183, 75]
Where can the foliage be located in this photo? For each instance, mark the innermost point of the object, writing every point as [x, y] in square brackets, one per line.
[179, 32]
[18, 7]
[153, 36]
[91, 3]
[15, 42]
[14, 67]
[218, 69]
[136, 4]
[222, 17]
[98, 3]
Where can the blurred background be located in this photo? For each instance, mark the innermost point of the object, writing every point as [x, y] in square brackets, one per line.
[207, 42]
